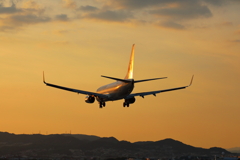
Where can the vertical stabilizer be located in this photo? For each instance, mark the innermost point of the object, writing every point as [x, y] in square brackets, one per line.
[130, 66]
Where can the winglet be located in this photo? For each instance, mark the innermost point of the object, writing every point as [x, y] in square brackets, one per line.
[191, 81]
[44, 78]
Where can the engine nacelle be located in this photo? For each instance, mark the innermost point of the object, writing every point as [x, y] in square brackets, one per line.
[90, 99]
[130, 100]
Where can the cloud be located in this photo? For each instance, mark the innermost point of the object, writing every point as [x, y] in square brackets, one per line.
[216, 2]
[88, 8]
[183, 12]
[9, 10]
[60, 32]
[236, 41]
[109, 15]
[171, 13]
[5, 28]
[28, 19]
[62, 17]
[171, 25]
[139, 4]
[70, 4]
[17, 17]
[18, 21]
[226, 24]
[30, 4]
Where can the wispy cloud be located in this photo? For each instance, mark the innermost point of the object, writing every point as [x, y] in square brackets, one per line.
[88, 8]
[70, 4]
[236, 41]
[9, 10]
[60, 32]
[62, 17]
[109, 15]
[226, 24]
[216, 3]
[27, 19]
[31, 5]
[173, 14]
[183, 12]
[17, 21]
[171, 25]
[141, 4]
[16, 17]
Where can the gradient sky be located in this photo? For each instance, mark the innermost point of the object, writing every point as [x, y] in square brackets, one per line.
[75, 42]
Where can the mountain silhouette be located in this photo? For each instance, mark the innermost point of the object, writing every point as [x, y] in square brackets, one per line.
[84, 145]
[234, 150]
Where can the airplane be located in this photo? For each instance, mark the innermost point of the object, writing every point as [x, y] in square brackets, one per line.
[121, 89]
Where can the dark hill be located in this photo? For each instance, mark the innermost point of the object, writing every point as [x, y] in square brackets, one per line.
[83, 137]
[173, 146]
[95, 146]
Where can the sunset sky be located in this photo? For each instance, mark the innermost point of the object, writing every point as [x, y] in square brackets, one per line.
[76, 41]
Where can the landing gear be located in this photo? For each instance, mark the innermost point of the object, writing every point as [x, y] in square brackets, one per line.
[102, 104]
[128, 101]
[125, 104]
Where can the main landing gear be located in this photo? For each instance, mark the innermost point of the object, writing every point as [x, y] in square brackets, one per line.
[128, 101]
[125, 104]
[102, 104]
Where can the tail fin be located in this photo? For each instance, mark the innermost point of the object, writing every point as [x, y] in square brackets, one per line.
[130, 66]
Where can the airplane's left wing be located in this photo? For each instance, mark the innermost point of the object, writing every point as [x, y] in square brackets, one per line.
[74, 90]
[142, 94]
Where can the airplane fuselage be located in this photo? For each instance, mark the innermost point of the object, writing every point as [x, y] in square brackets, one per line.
[115, 91]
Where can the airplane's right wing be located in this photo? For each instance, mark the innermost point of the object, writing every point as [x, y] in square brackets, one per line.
[142, 94]
[74, 90]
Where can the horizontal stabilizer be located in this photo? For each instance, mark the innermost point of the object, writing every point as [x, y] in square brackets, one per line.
[142, 94]
[117, 79]
[149, 79]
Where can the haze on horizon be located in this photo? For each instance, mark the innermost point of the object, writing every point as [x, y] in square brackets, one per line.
[75, 42]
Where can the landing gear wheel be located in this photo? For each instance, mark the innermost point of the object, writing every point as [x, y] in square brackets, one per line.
[125, 104]
[102, 104]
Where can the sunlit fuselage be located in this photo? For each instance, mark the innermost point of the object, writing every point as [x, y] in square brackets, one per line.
[115, 91]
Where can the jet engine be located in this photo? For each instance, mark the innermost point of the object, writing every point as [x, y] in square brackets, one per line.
[89, 99]
[130, 100]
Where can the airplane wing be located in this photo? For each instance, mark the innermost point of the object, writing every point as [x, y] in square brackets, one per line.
[142, 94]
[74, 90]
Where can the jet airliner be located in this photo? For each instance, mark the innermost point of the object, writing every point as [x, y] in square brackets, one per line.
[121, 89]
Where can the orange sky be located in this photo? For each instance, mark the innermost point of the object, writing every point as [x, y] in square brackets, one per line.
[75, 42]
